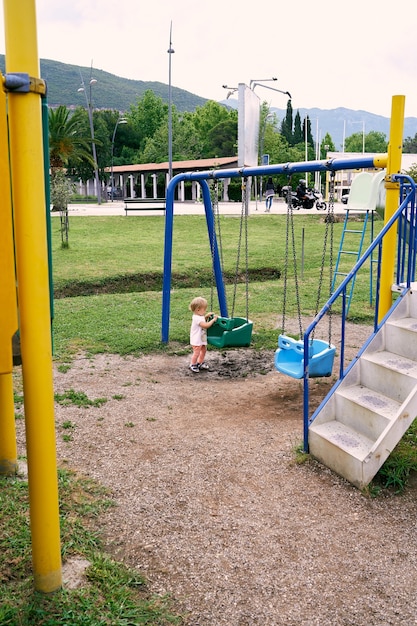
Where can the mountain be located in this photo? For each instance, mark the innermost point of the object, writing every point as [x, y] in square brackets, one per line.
[113, 92]
[341, 121]
[110, 91]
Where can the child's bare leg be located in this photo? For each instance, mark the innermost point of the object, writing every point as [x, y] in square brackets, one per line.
[202, 354]
[196, 354]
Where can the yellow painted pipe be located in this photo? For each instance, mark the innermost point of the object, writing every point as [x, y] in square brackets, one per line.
[8, 448]
[26, 149]
[391, 204]
[8, 307]
[8, 302]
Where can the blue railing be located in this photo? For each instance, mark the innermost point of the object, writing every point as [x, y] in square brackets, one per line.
[404, 219]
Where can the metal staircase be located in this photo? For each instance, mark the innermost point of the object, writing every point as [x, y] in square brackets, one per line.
[375, 403]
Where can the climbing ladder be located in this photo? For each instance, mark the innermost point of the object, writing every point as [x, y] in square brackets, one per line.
[369, 411]
[362, 201]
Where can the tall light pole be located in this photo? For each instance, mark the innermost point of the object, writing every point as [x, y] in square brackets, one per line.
[170, 52]
[120, 120]
[88, 100]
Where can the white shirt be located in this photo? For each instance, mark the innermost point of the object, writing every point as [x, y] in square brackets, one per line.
[198, 335]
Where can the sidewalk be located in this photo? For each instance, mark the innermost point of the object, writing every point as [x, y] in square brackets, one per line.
[279, 207]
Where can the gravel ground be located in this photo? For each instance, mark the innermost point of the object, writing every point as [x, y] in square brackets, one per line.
[213, 508]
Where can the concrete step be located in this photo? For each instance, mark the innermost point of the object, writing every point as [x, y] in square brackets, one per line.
[343, 450]
[365, 410]
[389, 374]
[345, 438]
[401, 337]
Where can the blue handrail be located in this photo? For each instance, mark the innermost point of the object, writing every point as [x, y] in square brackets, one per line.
[406, 257]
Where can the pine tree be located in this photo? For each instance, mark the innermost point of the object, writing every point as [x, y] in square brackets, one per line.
[286, 126]
[298, 136]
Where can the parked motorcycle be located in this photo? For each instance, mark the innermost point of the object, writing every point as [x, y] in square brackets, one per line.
[320, 203]
[311, 198]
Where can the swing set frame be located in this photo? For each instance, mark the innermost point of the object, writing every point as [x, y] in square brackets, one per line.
[329, 165]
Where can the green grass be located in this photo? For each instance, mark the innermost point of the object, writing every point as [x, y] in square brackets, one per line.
[113, 593]
[402, 462]
[78, 398]
[113, 271]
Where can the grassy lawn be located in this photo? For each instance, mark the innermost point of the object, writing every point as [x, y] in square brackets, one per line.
[113, 593]
[113, 271]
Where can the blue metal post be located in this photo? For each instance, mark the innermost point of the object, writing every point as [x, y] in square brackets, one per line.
[166, 281]
[218, 275]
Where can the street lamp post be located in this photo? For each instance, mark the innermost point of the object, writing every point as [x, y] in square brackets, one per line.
[170, 51]
[88, 100]
[259, 81]
[120, 120]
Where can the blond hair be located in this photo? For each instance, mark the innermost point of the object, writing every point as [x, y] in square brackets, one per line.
[197, 303]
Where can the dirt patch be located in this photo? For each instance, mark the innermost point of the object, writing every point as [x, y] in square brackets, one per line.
[213, 509]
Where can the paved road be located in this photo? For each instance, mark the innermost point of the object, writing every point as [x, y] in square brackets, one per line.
[193, 208]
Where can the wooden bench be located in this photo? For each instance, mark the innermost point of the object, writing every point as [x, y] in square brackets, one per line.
[144, 204]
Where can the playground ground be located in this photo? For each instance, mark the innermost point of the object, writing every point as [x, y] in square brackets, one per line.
[211, 505]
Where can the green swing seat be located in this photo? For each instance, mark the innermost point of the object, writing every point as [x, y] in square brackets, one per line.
[229, 332]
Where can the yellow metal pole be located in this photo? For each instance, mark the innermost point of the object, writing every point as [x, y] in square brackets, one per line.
[33, 292]
[8, 308]
[391, 204]
[8, 449]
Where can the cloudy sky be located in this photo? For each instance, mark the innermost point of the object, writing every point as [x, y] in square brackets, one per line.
[328, 54]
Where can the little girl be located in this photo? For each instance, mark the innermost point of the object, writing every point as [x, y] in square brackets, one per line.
[198, 333]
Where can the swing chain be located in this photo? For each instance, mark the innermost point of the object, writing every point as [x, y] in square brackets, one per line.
[329, 224]
[243, 221]
[290, 229]
[331, 218]
[284, 297]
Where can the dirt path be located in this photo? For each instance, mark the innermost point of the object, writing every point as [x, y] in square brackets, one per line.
[212, 507]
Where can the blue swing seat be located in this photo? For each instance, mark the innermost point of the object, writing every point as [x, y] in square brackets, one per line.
[289, 357]
[230, 332]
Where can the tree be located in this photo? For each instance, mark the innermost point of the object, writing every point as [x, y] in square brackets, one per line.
[307, 132]
[67, 137]
[410, 145]
[67, 142]
[205, 119]
[146, 118]
[412, 171]
[61, 192]
[327, 145]
[286, 126]
[374, 142]
[298, 135]
[222, 139]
